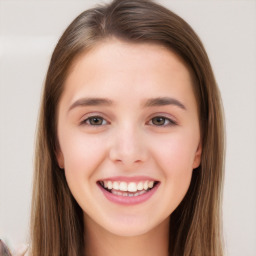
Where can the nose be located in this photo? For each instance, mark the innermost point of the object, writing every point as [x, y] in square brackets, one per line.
[128, 146]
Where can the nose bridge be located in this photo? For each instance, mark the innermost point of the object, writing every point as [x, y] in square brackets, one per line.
[128, 145]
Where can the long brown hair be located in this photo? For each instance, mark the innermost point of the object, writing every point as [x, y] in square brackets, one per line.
[56, 221]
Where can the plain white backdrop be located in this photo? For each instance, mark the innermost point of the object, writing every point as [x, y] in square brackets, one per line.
[29, 31]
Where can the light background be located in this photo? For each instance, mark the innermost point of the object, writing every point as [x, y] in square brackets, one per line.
[29, 31]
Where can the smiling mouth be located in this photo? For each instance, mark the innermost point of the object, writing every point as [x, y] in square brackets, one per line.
[127, 189]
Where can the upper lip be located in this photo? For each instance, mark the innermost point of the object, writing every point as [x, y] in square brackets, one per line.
[128, 179]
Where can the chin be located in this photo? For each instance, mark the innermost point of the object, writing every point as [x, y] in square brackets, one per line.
[129, 231]
[130, 226]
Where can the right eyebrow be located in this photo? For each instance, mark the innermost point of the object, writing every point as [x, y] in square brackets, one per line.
[90, 102]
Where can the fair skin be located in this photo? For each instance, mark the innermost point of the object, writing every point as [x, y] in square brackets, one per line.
[145, 130]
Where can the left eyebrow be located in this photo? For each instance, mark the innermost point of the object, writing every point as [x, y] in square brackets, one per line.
[163, 101]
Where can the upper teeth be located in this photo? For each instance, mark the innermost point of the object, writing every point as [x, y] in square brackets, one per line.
[128, 186]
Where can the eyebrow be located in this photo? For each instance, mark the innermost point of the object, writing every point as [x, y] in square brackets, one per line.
[154, 102]
[91, 102]
[163, 101]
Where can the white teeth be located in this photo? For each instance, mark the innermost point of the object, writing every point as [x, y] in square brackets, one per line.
[123, 186]
[151, 184]
[145, 185]
[115, 185]
[140, 186]
[109, 184]
[132, 187]
[127, 186]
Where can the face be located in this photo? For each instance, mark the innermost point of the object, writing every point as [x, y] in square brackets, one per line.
[129, 135]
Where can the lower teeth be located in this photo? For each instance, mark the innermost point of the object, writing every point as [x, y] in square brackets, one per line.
[128, 194]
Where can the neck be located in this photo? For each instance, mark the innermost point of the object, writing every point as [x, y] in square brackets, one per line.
[100, 242]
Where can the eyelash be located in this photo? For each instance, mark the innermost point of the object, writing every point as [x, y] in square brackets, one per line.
[167, 121]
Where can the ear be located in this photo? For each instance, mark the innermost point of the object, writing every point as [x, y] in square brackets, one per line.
[60, 159]
[197, 159]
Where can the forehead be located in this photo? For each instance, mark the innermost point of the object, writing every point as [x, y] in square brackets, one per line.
[112, 51]
[115, 66]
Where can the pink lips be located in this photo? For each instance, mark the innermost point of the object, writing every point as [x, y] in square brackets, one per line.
[127, 200]
[129, 179]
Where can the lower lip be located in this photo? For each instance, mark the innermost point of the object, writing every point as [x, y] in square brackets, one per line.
[129, 200]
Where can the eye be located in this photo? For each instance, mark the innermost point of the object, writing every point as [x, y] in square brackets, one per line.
[161, 121]
[94, 121]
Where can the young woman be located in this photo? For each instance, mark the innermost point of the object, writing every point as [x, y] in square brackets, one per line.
[129, 154]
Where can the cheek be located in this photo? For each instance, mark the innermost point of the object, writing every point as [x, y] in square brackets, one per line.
[176, 154]
[177, 168]
[174, 160]
[82, 154]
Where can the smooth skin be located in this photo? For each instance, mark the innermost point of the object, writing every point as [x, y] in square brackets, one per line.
[128, 134]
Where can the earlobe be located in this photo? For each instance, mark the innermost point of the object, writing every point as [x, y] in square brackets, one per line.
[197, 159]
[60, 159]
